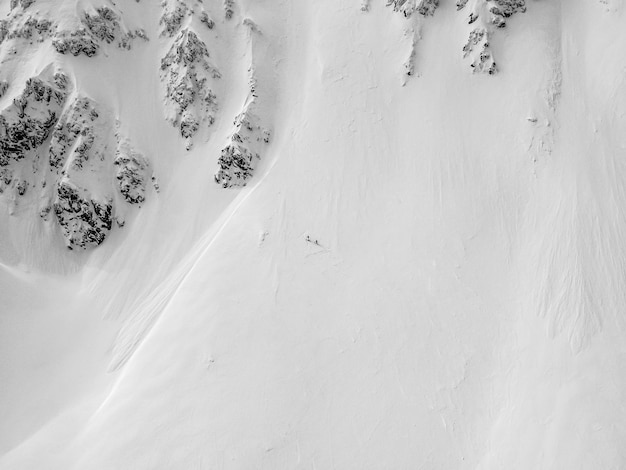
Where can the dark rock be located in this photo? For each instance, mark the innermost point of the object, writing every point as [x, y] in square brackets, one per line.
[204, 18]
[75, 125]
[186, 73]
[75, 42]
[172, 17]
[235, 165]
[407, 7]
[131, 174]
[84, 222]
[22, 3]
[477, 47]
[103, 25]
[229, 9]
[239, 157]
[26, 124]
[26, 28]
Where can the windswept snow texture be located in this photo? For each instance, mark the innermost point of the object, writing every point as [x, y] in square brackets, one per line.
[332, 234]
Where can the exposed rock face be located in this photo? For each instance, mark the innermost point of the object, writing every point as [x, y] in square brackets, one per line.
[229, 9]
[26, 124]
[78, 149]
[87, 162]
[477, 48]
[76, 43]
[408, 7]
[241, 153]
[485, 15]
[27, 28]
[84, 221]
[246, 144]
[74, 127]
[24, 4]
[172, 18]
[131, 176]
[24, 127]
[501, 9]
[205, 19]
[187, 75]
[103, 25]
[82, 145]
[176, 11]
[100, 26]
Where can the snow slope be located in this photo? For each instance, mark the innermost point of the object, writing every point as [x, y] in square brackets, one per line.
[425, 271]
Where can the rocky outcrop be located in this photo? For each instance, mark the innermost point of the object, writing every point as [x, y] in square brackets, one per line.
[175, 13]
[84, 221]
[408, 7]
[246, 143]
[26, 124]
[77, 155]
[187, 76]
[83, 151]
[28, 28]
[131, 173]
[87, 162]
[76, 43]
[102, 25]
[485, 16]
[206, 20]
[501, 9]
[477, 49]
[173, 16]
[242, 151]
[229, 9]
[24, 4]
[73, 134]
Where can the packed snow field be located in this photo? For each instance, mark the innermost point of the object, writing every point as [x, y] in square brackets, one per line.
[278, 234]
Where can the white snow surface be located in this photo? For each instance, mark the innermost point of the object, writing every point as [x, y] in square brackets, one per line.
[424, 272]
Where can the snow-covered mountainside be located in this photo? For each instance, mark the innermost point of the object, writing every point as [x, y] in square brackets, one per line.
[312, 234]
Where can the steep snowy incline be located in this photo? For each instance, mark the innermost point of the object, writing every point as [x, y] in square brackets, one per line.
[63, 310]
[425, 271]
